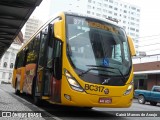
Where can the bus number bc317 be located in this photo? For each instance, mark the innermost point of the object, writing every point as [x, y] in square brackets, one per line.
[94, 88]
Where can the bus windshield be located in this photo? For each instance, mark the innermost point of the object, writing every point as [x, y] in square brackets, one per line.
[94, 43]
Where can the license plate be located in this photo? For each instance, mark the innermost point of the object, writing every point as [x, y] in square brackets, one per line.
[105, 100]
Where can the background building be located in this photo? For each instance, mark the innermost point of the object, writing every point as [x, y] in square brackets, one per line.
[31, 27]
[127, 14]
[8, 59]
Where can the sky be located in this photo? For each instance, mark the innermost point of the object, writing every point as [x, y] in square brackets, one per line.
[149, 21]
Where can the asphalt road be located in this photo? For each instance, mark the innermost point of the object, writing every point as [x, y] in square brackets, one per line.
[11, 102]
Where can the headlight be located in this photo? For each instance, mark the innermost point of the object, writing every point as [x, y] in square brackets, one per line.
[129, 89]
[72, 82]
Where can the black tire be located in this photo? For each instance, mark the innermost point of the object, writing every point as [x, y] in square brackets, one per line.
[37, 101]
[153, 103]
[17, 92]
[87, 108]
[141, 99]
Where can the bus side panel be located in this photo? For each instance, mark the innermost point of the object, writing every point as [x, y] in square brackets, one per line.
[18, 77]
[22, 79]
[29, 76]
[14, 77]
[55, 90]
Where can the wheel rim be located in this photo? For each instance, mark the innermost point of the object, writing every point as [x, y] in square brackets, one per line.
[141, 99]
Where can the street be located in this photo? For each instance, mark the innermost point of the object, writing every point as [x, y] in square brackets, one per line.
[11, 102]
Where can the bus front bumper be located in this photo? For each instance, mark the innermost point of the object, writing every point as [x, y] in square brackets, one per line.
[88, 100]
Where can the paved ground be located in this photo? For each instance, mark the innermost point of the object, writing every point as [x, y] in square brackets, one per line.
[11, 102]
[19, 108]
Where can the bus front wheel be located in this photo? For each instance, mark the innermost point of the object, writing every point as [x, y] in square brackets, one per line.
[17, 92]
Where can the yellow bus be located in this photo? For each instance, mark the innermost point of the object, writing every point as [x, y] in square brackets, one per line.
[77, 60]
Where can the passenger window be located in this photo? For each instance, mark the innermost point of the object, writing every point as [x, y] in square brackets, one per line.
[20, 59]
[156, 89]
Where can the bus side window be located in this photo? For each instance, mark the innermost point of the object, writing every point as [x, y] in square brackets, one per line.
[16, 63]
[42, 46]
[35, 49]
[29, 53]
[20, 59]
[37, 44]
[50, 47]
[57, 55]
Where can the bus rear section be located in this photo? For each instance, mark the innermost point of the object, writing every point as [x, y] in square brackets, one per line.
[78, 61]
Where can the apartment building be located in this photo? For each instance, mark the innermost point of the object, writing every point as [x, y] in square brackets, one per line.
[127, 14]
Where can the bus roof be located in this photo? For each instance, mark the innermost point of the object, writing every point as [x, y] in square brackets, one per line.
[66, 13]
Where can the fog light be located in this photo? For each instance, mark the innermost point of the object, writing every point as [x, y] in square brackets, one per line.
[68, 97]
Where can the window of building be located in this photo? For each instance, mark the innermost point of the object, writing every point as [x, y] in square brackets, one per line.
[132, 28]
[105, 5]
[6, 55]
[89, 6]
[110, 6]
[132, 34]
[115, 14]
[124, 27]
[110, 12]
[138, 10]
[12, 55]
[125, 16]
[10, 76]
[105, 16]
[132, 18]
[133, 8]
[111, 1]
[116, 3]
[99, 3]
[89, 1]
[98, 14]
[99, 9]
[5, 64]
[3, 75]
[115, 8]
[132, 23]
[137, 35]
[137, 30]
[133, 13]
[11, 65]
[88, 12]
[109, 17]
[125, 11]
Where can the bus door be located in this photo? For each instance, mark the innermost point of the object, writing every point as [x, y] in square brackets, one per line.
[57, 72]
[44, 71]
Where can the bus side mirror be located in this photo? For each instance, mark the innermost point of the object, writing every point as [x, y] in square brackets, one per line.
[131, 46]
[58, 29]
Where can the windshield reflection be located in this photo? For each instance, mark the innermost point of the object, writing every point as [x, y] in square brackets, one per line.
[97, 43]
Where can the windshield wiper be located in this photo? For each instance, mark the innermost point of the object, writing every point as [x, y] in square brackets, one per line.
[93, 69]
[99, 66]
